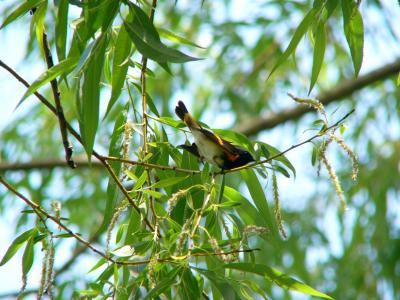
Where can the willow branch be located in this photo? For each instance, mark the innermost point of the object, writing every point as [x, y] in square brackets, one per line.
[60, 113]
[269, 159]
[151, 166]
[79, 139]
[341, 90]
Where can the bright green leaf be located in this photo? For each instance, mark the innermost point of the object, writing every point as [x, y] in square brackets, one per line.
[354, 32]
[299, 33]
[61, 27]
[319, 52]
[101, 262]
[123, 46]
[16, 244]
[167, 281]
[257, 194]
[277, 277]
[168, 182]
[272, 151]
[176, 38]
[147, 40]
[152, 193]
[62, 68]
[27, 257]
[24, 8]
[88, 96]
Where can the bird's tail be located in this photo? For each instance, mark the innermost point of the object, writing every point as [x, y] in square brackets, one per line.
[182, 112]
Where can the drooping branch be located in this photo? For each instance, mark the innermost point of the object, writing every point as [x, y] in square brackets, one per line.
[342, 90]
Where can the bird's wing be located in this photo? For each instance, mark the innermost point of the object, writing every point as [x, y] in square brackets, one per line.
[229, 149]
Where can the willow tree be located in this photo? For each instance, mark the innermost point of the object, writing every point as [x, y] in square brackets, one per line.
[93, 176]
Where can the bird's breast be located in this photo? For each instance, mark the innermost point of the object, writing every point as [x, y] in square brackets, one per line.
[208, 150]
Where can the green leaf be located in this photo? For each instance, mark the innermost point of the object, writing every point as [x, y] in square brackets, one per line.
[27, 258]
[226, 287]
[139, 183]
[170, 122]
[24, 8]
[61, 27]
[16, 244]
[38, 20]
[257, 194]
[319, 53]
[276, 277]
[176, 38]
[147, 40]
[190, 286]
[88, 96]
[247, 212]
[63, 68]
[168, 280]
[299, 33]
[168, 182]
[272, 151]
[281, 170]
[314, 155]
[122, 51]
[120, 232]
[354, 32]
[152, 193]
[101, 262]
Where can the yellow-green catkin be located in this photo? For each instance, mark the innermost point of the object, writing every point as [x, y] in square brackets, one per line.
[350, 153]
[277, 209]
[334, 178]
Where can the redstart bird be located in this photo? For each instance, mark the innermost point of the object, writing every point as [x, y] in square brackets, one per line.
[210, 147]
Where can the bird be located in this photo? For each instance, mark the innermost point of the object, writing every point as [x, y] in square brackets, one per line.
[210, 147]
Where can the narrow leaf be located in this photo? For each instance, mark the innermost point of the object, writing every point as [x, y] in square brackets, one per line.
[168, 182]
[120, 66]
[147, 40]
[61, 27]
[272, 151]
[299, 33]
[63, 68]
[27, 258]
[24, 8]
[257, 194]
[277, 277]
[167, 281]
[354, 32]
[176, 38]
[16, 244]
[319, 53]
[89, 95]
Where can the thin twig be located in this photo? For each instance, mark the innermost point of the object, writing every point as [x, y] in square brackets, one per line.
[151, 166]
[60, 113]
[269, 159]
